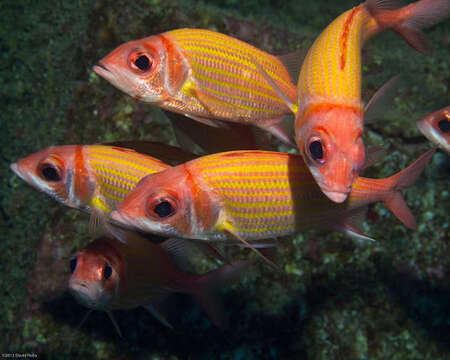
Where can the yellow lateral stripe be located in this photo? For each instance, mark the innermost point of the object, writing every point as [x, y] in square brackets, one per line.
[110, 186]
[264, 229]
[221, 83]
[105, 178]
[239, 77]
[230, 59]
[133, 160]
[113, 196]
[235, 46]
[127, 172]
[235, 86]
[118, 176]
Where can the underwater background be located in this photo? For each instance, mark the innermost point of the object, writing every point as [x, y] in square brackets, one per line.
[334, 299]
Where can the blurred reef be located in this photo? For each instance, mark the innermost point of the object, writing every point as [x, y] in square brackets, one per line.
[335, 299]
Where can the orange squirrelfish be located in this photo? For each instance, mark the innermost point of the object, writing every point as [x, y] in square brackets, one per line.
[329, 121]
[109, 274]
[436, 127]
[253, 195]
[88, 177]
[202, 74]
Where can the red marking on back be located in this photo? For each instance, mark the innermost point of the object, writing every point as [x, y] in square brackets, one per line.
[345, 33]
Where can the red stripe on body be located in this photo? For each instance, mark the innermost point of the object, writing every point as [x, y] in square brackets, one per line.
[345, 33]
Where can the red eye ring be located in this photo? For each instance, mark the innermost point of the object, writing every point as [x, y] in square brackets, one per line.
[141, 62]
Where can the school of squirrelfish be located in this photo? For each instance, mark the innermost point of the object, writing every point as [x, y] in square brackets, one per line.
[151, 201]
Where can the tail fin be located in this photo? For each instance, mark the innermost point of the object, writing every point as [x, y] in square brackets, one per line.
[407, 20]
[207, 287]
[402, 180]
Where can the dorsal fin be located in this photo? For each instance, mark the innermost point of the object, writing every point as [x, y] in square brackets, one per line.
[293, 62]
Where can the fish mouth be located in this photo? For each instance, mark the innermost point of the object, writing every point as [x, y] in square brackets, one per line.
[101, 70]
[336, 196]
[16, 170]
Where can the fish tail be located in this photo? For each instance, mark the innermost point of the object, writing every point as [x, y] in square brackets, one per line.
[408, 20]
[394, 201]
[207, 286]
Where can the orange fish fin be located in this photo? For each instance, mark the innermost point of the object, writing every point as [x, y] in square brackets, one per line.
[293, 62]
[116, 326]
[228, 227]
[378, 103]
[168, 154]
[281, 134]
[373, 155]
[153, 309]
[210, 122]
[405, 178]
[407, 21]
[281, 94]
[98, 222]
[206, 287]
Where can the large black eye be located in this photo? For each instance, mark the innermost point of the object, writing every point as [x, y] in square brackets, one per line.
[73, 265]
[315, 148]
[164, 209]
[107, 271]
[50, 173]
[142, 62]
[444, 125]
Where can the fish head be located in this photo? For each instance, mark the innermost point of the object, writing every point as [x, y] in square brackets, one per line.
[332, 146]
[169, 203]
[57, 171]
[436, 127]
[146, 69]
[95, 275]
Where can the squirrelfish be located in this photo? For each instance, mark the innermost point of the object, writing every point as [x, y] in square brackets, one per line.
[436, 127]
[252, 195]
[202, 74]
[329, 121]
[109, 274]
[93, 178]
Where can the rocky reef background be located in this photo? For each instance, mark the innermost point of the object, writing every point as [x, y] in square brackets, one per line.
[334, 299]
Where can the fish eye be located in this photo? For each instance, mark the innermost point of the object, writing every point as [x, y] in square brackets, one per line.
[162, 207]
[73, 264]
[140, 62]
[316, 150]
[107, 271]
[444, 125]
[50, 172]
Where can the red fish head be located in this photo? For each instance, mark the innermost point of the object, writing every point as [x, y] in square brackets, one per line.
[58, 172]
[436, 127]
[146, 69]
[331, 143]
[95, 275]
[169, 203]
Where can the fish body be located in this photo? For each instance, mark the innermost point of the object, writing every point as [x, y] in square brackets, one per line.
[252, 195]
[436, 127]
[329, 121]
[109, 274]
[202, 74]
[94, 178]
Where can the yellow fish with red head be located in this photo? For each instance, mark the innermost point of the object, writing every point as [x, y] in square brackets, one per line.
[329, 121]
[254, 195]
[204, 75]
[436, 128]
[110, 274]
[94, 178]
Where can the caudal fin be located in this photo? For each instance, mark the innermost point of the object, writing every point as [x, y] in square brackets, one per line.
[208, 286]
[405, 178]
[408, 20]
